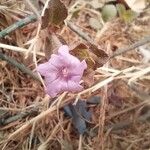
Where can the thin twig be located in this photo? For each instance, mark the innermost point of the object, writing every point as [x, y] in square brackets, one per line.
[18, 49]
[79, 32]
[33, 8]
[19, 116]
[131, 47]
[126, 124]
[127, 110]
[44, 145]
[80, 142]
[119, 51]
[74, 28]
[20, 66]
[10, 29]
[17, 25]
[29, 123]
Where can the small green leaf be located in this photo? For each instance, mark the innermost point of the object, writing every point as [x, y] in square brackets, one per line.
[129, 15]
[126, 15]
[121, 9]
[109, 12]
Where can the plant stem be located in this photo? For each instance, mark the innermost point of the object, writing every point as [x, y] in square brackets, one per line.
[131, 47]
[20, 66]
[17, 25]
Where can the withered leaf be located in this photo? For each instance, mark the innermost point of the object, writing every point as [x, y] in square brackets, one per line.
[53, 43]
[114, 99]
[94, 100]
[81, 51]
[50, 42]
[137, 5]
[55, 14]
[79, 115]
[101, 54]
[94, 56]
[89, 77]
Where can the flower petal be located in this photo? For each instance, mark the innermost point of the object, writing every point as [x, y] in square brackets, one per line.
[53, 88]
[57, 86]
[78, 69]
[76, 78]
[74, 86]
[55, 81]
[51, 78]
[56, 61]
[46, 69]
[63, 51]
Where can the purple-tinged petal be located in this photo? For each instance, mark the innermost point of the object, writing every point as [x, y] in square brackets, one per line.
[56, 61]
[56, 86]
[78, 69]
[83, 64]
[76, 78]
[74, 86]
[53, 88]
[46, 69]
[51, 78]
[63, 85]
[67, 57]
[62, 72]
[64, 49]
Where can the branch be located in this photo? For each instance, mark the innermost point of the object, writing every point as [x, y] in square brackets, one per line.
[126, 124]
[131, 47]
[20, 66]
[10, 29]
[17, 25]
[79, 32]
[75, 29]
[18, 116]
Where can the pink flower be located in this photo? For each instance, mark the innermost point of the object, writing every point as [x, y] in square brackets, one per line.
[62, 72]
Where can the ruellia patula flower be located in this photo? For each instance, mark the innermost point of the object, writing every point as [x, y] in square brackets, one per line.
[62, 72]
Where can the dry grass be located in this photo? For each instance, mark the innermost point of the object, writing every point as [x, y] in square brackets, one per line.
[123, 84]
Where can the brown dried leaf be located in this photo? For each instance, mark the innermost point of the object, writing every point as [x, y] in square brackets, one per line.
[50, 42]
[114, 98]
[89, 77]
[102, 56]
[81, 51]
[55, 14]
[94, 58]
[91, 54]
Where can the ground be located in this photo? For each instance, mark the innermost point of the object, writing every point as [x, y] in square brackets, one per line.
[30, 119]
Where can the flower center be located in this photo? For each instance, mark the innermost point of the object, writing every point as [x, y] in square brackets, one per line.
[65, 72]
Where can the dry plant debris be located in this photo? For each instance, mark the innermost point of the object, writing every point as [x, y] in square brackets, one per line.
[113, 37]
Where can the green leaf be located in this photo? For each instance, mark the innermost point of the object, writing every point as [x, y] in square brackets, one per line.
[109, 12]
[121, 9]
[129, 15]
[126, 15]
